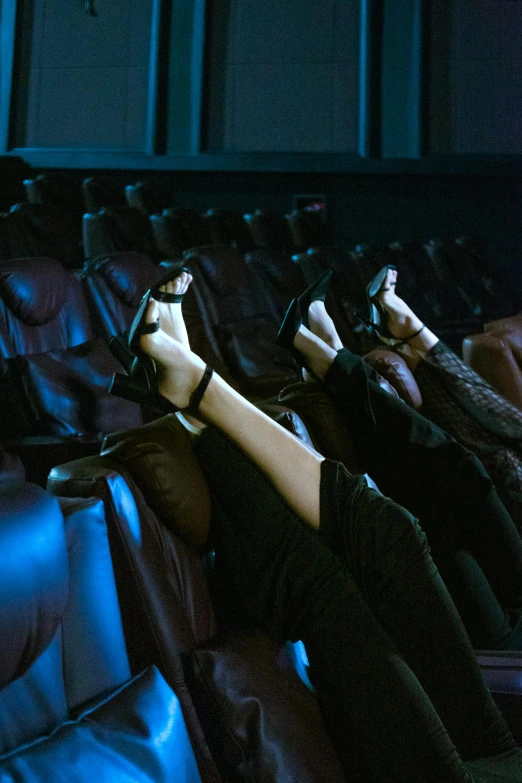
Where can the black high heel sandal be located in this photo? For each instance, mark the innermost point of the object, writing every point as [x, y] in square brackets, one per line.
[140, 385]
[378, 312]
[315, 292]
[288, 330]
[297, 314]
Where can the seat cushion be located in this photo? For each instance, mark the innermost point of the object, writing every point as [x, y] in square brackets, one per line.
[136, 735]
[394, 370]
[160, 459]
[33, 576]
[264, 723]
[67, 391]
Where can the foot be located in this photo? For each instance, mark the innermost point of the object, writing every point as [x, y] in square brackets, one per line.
[322, 325]
[170, 315]
[179, 369]
[400, 318]
[319, 354]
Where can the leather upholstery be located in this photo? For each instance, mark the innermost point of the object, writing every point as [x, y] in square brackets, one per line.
[243, 319]
[309, 228]
[178, 229]
[261, 724]
[33, 577]
[137, 733]
[44, 230]
[497, 356]
[42, 307]
[68, 394]
[228, 227]
[116, 229]
[33, 288]
[114, 285]
[270, 230]
[100, 192]
[143, 196]
[280, 277]
[253, 677]
[153, 455]
[64, 652]
[326, 425]
[164, 601]
[394, 370]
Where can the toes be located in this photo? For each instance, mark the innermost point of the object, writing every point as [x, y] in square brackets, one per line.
[388, 283]
[391, 279]
[185, 280]
[177, 285]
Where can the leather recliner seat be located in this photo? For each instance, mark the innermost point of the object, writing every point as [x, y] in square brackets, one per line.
[54, 374]
[497, 356]
[72, 705]
[259, 719]
[243, 320]
[114, 285]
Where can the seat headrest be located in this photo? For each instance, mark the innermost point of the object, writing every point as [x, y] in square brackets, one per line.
[222, 267]
[33, 576]
[34, 289]
[127, 274]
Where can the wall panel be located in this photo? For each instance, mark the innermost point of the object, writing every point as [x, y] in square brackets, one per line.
[283, 76]
[477, 77]
[81, 81]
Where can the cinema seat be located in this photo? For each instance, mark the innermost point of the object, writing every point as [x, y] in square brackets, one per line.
[497, 356]
[259, 720]
[72, 703]
[243, 319]
[54, 373]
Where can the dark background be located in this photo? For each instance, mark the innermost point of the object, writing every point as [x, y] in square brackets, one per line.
[405, 113]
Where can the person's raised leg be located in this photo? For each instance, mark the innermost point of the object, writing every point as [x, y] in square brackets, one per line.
[428, 472]
[380, 720]
[182, 372]
[273, 448]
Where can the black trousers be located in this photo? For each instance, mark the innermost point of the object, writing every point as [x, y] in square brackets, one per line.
[474, 541]
[397, 681]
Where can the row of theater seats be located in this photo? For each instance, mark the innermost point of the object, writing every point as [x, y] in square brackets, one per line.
[55, 324]
[449, 281]
[124, 652]
[453, 280]
[55, 366]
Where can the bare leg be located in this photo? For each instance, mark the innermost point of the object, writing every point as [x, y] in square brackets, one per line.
[322, 325]
[293, 469]
[401, 320]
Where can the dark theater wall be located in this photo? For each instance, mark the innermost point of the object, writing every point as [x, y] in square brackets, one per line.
[405, 113]
[83, 82]
[284, 76]
[476, 86]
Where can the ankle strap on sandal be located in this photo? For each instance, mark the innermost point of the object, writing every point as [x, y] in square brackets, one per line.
[199, 391]
[415, 334]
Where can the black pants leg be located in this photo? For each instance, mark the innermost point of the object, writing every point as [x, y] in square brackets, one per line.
[381, 721]
[447, 488]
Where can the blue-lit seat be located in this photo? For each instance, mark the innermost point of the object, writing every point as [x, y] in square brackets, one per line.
[73, 703]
